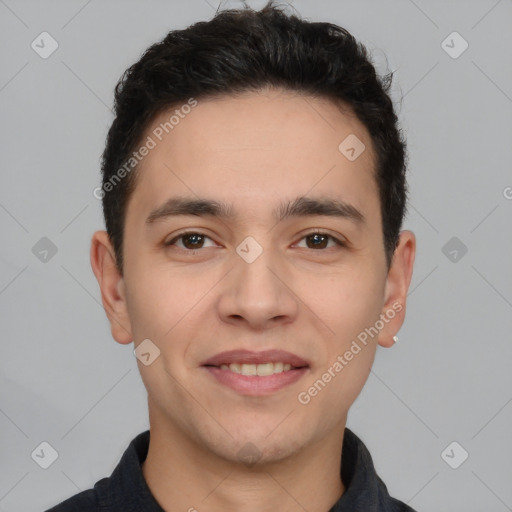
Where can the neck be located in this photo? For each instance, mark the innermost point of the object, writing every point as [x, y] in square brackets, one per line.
[182, 475]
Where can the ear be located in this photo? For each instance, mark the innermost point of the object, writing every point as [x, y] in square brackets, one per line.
[397, 285]
[113, 294]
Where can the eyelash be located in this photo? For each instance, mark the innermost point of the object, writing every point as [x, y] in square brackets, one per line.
[187, 233]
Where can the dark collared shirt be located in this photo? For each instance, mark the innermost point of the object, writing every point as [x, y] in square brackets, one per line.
[127, 491]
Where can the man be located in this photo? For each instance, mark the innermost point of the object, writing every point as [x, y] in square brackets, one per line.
[253, 191]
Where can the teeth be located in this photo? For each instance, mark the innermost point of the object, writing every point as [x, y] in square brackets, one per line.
[249, 369]
[257, 369]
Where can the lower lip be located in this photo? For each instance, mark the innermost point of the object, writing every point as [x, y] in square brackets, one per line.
[254, 385]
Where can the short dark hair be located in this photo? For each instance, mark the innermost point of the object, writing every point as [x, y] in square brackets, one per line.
[243, 50]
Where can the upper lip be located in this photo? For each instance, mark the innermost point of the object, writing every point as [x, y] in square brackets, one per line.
[249, 357]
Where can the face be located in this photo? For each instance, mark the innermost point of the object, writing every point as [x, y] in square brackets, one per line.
[294, 262]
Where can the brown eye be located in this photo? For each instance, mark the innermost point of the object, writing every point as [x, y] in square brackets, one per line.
[190, 240]
[318, 240]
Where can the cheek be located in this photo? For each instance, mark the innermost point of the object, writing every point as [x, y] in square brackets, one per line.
[348, 302]
[161, 308]
[157, 302]
[349, 352]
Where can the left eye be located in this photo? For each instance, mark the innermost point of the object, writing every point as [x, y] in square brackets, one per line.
[195, 240]
[319, 240]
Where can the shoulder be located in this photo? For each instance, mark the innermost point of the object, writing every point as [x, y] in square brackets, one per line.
[85, 501]
[120, 490]
[81, 502]
[399, 506]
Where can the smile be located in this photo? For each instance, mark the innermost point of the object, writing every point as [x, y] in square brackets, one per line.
[256, 379]
[262, 370]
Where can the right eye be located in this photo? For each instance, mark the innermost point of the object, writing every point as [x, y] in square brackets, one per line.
[192, 240]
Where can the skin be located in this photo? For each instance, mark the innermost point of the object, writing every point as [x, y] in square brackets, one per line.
[252, 151]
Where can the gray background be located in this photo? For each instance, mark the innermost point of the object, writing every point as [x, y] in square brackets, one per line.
[63, 378]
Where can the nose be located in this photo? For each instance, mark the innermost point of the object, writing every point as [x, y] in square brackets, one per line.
[258, 294]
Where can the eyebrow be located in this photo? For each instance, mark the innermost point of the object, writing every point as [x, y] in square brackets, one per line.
[301, 207]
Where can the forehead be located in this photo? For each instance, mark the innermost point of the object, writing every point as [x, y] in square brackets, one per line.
[254, 148]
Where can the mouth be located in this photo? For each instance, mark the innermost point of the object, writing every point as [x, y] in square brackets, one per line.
[261, 370]
[256, 373]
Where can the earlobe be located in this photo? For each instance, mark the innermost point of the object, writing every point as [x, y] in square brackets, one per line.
[112, 286]
[397, 285]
